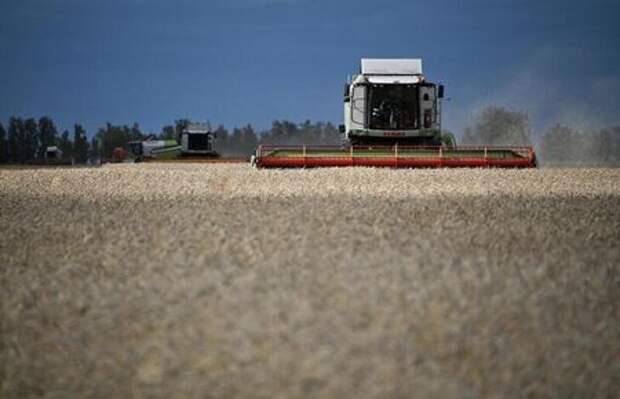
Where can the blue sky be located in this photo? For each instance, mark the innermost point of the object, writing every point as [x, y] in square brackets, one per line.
[252, 61]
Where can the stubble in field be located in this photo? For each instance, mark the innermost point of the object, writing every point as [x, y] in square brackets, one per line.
[225, 281]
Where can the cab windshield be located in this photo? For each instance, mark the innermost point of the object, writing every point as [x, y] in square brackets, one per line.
[392, 107]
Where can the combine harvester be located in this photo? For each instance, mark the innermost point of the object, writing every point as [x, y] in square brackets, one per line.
[150, 149]
[392, 118]
[197, 144]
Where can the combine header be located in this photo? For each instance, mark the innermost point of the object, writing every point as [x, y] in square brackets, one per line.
[392, 118]
[268, 156]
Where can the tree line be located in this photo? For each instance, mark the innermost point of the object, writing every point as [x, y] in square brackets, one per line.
[559, 145]
[24, 140]
[242, 141]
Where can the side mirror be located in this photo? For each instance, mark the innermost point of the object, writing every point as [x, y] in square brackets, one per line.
[347, 98]
[341, 128]
[440, 91]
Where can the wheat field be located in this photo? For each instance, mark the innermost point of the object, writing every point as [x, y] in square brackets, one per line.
[222, 281]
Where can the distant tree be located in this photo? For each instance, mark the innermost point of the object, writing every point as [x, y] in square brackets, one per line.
[221, 140]
[309, 132]
[104, 137]
[48, 136]
[285, 132]
[249, 140]
[167, 133]
[330, 134]
[561, 144]
[234, 142]
[3, 145]
[80, 144]
[607, 146]
[241, 142]
[65, 145]
[135, 133]
[282, 132]
[30, 139]
[179, 126]
[15, 133]
[499, 126]
[315, 133]
[94, 150]
[290, 131]
[112, 136]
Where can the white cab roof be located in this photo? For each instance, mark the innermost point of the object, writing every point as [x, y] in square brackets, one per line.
[394, 79]
[195, 128]
[392, 66]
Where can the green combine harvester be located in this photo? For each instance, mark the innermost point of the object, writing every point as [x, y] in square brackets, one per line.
[197, 141]
[155, 149]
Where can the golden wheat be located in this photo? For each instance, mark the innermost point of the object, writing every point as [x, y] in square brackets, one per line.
[225, 281]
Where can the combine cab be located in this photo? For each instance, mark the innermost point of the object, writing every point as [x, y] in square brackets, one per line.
[392, 118]
[53, 154]
[197, 140]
